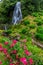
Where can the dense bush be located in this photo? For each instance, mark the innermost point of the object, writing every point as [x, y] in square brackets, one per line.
[41, 4]
[24, 31]
[19, 53]
[15, 52]
[39, 36]
[7, 32]
[32, 26]
[39, 33]
[41, 13]
[26, 22]
[39, 21]
[35, 14]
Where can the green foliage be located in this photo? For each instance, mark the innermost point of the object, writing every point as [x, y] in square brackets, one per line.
[40, 30]
[37, 60]
[32, 26]
[41, 13]
[37, 4]
[39, 33]
[39, 36]
[7, 32]
[35, 50]
[26, 22]
[35, 14]
[4, 39]
[41, 4]
[39, 21]
[24, 31]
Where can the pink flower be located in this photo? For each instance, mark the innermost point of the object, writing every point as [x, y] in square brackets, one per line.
[0, 62]
[23, 60]
[1, 48]
[27, 52]
[11, 63]
[12, 45]
[10, 60]
[8, 56]
[14, 51]
[6, 43]
[31, 61]
[14, 41]
[5, 51]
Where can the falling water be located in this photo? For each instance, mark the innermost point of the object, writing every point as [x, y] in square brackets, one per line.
[17, 14]
[5, 27]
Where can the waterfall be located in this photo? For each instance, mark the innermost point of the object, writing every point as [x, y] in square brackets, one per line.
[17, 14]
[5, 27]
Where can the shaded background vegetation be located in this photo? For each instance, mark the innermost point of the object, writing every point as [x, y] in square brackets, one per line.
[28, 6]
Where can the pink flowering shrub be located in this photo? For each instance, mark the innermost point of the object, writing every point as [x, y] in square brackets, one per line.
[31, 61]
[27, 52]
[15, 54]
[0, 62]
[6, 43]
[23, 60]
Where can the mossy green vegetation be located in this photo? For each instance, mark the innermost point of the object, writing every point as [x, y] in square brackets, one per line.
[39, 33]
